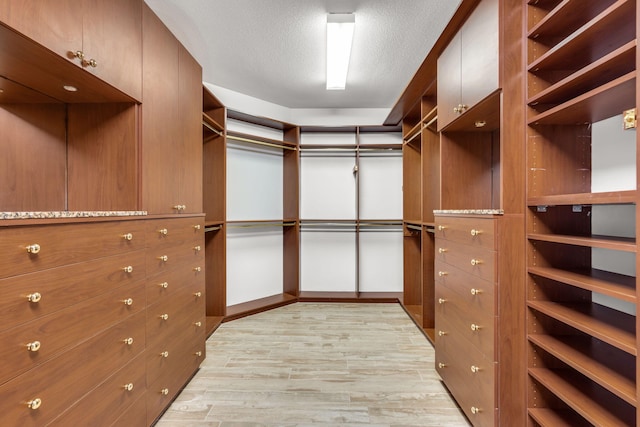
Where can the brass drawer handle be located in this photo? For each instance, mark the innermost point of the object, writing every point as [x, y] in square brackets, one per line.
[164, 316]
[164, 354]
[198, 353]
[475, 369]
[33, 249]
[442, 250]
[441, 300]
[127, 236]
[163, 231]
[197, 269]
[163, 258]
[197, 248]
[90, 63]
[128, 387]
[475, 232]
[475, 327]
[442, 227]
[33, 346]
[441, 365]
[34, 297]
[128, 341]
[164, 391]
[475, 291]
[442, 273]
[475, 262]
[34, 403]
[475, 410]
[197, 226]
[197, 324]
[164, 285]
[128, 269]
[197, 294]
[180, 207]
[128, 301]
[441, 333]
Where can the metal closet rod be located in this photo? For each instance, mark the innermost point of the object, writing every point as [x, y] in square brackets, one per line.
[267, 144]
[213, 228]
[250, 224]
[212, 129]
[414, 227]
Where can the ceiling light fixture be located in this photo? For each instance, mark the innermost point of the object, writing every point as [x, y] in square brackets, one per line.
[340, 28]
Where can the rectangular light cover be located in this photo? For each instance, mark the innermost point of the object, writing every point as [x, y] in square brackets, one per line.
[340, 27]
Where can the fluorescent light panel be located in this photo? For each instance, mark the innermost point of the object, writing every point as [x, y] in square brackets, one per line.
[340, 27]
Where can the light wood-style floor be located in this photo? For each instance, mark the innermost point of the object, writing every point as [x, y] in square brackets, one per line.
[311, 364]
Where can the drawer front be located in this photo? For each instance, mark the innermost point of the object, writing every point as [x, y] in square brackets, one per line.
[105, 403]
[461, 321]
[34, 248]
[174, 231]
[474, 260]
[478, 232]
[163, 285]
[32, 343]
[167, 258]
[135, 415]
[470, 377]
[479, 294]
[60, 382]
[31, 296]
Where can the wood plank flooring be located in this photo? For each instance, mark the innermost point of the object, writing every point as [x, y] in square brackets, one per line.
[317, 364]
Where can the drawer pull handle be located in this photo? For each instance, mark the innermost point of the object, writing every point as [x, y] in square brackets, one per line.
[442, 227]
[180, 207]
[164, 391]
[33, 249]
[164, 316]
[196, 227]
[33, 346]
[197, 294]
[128, 269]
[128, 387]
[128, 301]
[441, 300]
[197, 324]
[197, 269]
[441, 365]
[198, 353]
[128, 341]
[34, 297]
[475, 369]
[163, 231]
[475, 327]
[442, 273]
[127, 236]
[475, 262]
[35, 403]
[475, 291]
[441, 333]
[164, 354]
[197, 248]
[475, 232]
[442, 250]
[475, 410]
[164, 285]
[163, 258]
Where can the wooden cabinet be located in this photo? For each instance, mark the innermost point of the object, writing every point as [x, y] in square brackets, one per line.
[468, 66]
[101, 36]
[171, 123]
[582, 213]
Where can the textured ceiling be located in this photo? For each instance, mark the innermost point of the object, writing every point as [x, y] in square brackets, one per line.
[274, 49]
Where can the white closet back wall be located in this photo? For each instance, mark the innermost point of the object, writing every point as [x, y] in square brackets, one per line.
[254, 193]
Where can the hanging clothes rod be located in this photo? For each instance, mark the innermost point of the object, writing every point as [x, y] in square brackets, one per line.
[267, 144]
[414, 136]
[414, 227]
[211, 128]
[213, 228]
[430, 122]
[261, 224]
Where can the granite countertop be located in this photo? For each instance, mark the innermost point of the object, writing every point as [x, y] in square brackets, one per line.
[470, 211]
[68, 214]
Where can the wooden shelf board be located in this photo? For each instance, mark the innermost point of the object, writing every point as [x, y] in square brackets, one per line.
[487, 110]
[604, 198]
[319, 296]
[212, 122]
[608, 325]
[576, 392]
[567, 16]
[594, 360]
[256, 306]
[212, 324]
[606, 242]
[547, 417]
[598, 104]
[619, 62]
[259, 139]
[614, 285]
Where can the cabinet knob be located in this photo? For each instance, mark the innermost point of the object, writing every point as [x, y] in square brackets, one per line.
[164, 316]
[163, 258]
[164, 354]
[197, 324]
[442, 250]
[197, 248]
[197, 227]
[442, 227]
[197, 294]
[78, 54]
[441, 365]
[33, 346]
[33, 249]
[180, 208]
[198, 353]
[128, 301]
[128, 387]
[164, 391]
[475, 327]
[163, 231]
[164, 285]
[456, 109]
[475, 291]
[475, 369]
[127, 236]
[34, 403]
[475, 410]
[90, 63]
[128, 341]
[475, 232]
[34, 297]
[441, 300]
[475, 262]
[128, 269]
[442, 273]
[197, 269]
[441, 333]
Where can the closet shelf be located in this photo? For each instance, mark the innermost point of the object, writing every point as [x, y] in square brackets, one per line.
[598, 104]
[565, 18]
[594, 405]
[587, 44]
[606, 324]
[603, 198]
[612, 284]
[611, 66]
[594, 241]
[211, 124]
[555, 417]
[594, 360]
[259, 140]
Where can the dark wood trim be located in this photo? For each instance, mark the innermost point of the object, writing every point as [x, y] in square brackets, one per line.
[256, 306]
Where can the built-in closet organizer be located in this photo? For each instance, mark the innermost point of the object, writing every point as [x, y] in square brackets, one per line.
[350, 209]
[262, 249]
[582, 217]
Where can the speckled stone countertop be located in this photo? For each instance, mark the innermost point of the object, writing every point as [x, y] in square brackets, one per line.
[68, 214]
[469, 212]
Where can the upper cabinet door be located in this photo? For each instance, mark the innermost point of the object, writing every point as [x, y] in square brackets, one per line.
[104, 37]
[468, 66]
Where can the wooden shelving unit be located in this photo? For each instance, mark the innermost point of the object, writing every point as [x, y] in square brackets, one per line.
[582, 339]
